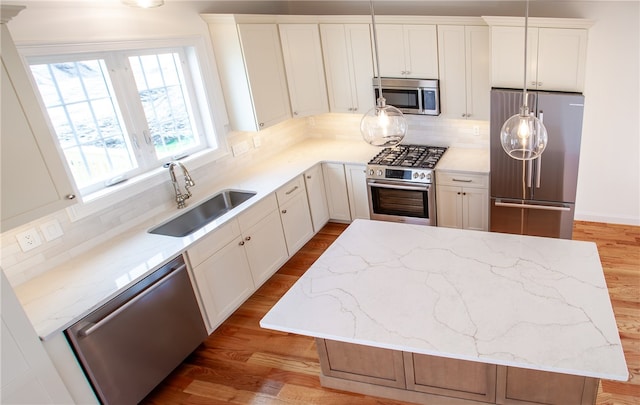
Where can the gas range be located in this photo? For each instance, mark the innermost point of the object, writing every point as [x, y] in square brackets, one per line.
[411, 163]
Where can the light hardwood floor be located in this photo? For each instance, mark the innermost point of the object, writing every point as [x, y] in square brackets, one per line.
[241, 363]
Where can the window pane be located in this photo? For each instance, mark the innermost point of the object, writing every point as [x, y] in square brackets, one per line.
[84, 115]
[160, 83]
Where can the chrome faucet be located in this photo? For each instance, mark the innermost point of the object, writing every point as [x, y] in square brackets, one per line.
[188, 183]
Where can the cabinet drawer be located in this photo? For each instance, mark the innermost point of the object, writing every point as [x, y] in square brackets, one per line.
[257, 212]
[290, 190]
[462, 179]
[213, 242]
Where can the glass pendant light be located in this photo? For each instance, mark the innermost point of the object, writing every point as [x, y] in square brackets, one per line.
[523, 136]
[383, 125]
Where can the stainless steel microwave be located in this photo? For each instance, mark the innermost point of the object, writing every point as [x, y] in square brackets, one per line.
[411, 96]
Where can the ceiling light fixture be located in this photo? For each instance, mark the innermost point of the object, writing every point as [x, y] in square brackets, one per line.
[383, 125]
[523, 136]
[143, 3]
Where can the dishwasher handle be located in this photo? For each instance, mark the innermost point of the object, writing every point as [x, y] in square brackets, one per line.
[93, 326]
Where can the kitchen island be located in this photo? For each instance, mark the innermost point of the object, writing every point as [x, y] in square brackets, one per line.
[425, 314]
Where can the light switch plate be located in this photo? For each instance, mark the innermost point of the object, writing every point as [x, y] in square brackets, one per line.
[51, 230]
[29, 239]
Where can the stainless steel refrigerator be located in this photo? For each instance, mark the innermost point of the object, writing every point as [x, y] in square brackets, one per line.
[536, 197]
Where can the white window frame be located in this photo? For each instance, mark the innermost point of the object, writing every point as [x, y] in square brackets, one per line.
[213, 124]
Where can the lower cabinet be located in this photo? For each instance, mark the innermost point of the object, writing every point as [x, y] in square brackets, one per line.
[357, 189]
[462, 200]
[317, 195]
[294, 213]
[346, 188]
[422, 378]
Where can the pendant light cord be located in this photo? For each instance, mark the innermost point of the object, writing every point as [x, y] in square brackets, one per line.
[526, 29]
[375, 46]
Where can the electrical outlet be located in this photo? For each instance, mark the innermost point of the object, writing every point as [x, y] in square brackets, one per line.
[240, 148]
[29, 239]
[257, 142]
[476, 130]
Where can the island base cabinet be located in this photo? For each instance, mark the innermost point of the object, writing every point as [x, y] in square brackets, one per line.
[424, 379]
[520, 386]
[450, 377]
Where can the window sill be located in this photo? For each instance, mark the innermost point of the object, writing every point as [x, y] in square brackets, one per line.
[94, 203]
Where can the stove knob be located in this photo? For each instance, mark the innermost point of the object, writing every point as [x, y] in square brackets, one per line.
[422, 175]
[415, 175]
[379, 172]
[371, 171]
[429, 177]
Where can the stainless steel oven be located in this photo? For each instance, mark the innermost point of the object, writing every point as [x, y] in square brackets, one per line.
[412, 203]
[401, 186]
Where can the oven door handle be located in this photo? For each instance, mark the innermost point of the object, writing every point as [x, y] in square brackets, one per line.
[397, 186]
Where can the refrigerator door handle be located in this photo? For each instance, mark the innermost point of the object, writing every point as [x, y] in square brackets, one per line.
[538, 170]
[499, 203]
[529, 173]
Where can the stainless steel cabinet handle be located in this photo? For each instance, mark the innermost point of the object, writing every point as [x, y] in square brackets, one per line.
[70, 196]
[241, 243]
[462, 180]
[92, 327]
[248, 238]
[292, 190]
[284, 211]
[532, 206]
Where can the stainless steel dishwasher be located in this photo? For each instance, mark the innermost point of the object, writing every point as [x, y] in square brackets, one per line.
[134, 341]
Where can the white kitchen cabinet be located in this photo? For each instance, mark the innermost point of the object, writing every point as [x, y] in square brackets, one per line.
[317, 196]
[263, 239]
[407, 50]
[251, 69]
[295, 215]
[556, 58]
[463, 53]
[221, 273]
[348, 61]
[357, 191]
[34, 179]
[462, 200]
[335, 183]
[302, 54]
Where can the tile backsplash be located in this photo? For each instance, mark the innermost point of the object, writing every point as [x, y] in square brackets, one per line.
[83, 234]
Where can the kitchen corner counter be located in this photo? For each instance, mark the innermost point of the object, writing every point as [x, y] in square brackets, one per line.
[520, 301]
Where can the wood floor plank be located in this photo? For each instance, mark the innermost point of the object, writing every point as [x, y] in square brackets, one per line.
[241, 363]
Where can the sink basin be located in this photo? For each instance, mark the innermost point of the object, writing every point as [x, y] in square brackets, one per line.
[202, 214]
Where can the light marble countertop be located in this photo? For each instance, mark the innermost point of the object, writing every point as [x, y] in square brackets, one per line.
[60, 297]
[521, 301]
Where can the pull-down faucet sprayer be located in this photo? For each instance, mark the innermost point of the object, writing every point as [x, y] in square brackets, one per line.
[188, 183]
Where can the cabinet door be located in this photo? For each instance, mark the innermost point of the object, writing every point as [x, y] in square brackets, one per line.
[348, 62]
[451, 55]
[302, 54]
[263, 60]
[450, 377]
[357, 191]
[296, 222]
[421, 51]
[391, 51]
[265, 247]
[335, 183]
[475, 209]
[507, 57]
[317, 196]
[449, 206]
[224, 282]
[34, 180]
[478, 77]
[561, 59]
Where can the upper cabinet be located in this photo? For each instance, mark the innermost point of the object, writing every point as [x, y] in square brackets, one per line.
[34, 179]
[348, 61]
[408, 50]
[302, 54]
[556, 53]
[251, 69]
[463, 53]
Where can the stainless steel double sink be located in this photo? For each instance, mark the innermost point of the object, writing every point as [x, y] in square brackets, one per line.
[203, 213]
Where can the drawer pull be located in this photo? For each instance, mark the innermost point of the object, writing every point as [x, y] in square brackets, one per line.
[284, 211]
[292, 190]
[462, 180]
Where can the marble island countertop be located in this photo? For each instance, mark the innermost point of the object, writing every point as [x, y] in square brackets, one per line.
[520, 301]
[60, 297]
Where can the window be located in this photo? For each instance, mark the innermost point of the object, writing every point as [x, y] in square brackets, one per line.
[119, 114]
